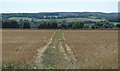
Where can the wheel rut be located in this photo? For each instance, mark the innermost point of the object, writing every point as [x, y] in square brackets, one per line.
[38, 61]
[56, 54]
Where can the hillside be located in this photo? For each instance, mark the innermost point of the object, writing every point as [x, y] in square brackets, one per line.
[112, 17]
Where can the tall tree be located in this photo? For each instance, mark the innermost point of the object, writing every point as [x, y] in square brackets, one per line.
[78, 25]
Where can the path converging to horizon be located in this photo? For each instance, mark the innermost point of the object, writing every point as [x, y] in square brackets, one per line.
[56, 54]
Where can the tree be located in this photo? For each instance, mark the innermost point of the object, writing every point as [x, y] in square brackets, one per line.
[26, 24]
[104, 25]
[0, 23]
[78, 25]
[64, 26]
[10, 24]
[118, 25]
[93, 27]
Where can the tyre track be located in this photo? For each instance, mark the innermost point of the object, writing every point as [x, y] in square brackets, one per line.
[74, 63]
[67, 57]
[38, 61]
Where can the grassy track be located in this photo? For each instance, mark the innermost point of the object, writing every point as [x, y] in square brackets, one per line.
[55, 57]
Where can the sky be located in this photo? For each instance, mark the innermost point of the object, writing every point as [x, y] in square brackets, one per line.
[35, 6]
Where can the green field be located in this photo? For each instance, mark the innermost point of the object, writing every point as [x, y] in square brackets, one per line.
[25, 18]
[67, 19]
[115, 23]
[19, 18]
[29, 19]
[82, 19]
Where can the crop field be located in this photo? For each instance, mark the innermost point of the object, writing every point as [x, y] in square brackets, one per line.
[94, 48]
[59, 49]
[19, 18]
[19, 47]
[67, 19]
[30, 19]
[82, 19]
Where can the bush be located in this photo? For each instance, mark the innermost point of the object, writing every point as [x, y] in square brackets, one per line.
[10, 24]
[78, 25]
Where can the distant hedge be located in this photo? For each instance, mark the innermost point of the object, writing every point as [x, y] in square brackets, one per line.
[56, 25]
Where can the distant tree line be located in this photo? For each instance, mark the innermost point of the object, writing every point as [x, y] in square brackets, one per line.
[15, 24]
[25, 24]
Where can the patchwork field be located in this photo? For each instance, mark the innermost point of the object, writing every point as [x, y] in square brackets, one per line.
[94, 48]
[20, 46]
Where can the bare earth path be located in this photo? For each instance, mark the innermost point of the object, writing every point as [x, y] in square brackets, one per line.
[38, 62]
[56, 54]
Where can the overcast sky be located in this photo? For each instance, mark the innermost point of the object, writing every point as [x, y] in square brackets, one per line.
[35, 6]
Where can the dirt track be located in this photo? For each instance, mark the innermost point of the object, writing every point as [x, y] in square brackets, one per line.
[95, 49]
[56, 54]
[38, 61]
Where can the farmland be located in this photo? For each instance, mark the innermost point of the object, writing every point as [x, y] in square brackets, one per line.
[30, 19]
[67, 19]
[20, 46]
[59, 35]
[82, 19]
[94, 49]
[60, 49]
[19, 18]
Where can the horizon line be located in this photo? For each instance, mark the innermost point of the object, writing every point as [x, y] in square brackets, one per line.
[62, 12]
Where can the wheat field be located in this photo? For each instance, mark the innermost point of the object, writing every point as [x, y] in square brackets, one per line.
[95, 49]
[19, 47]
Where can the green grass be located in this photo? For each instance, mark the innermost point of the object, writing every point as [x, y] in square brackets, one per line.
[115, 23]
[17, 66]
[68, 19]
[19, 18]
[53, 58]
[27, 18]
[82, 19]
